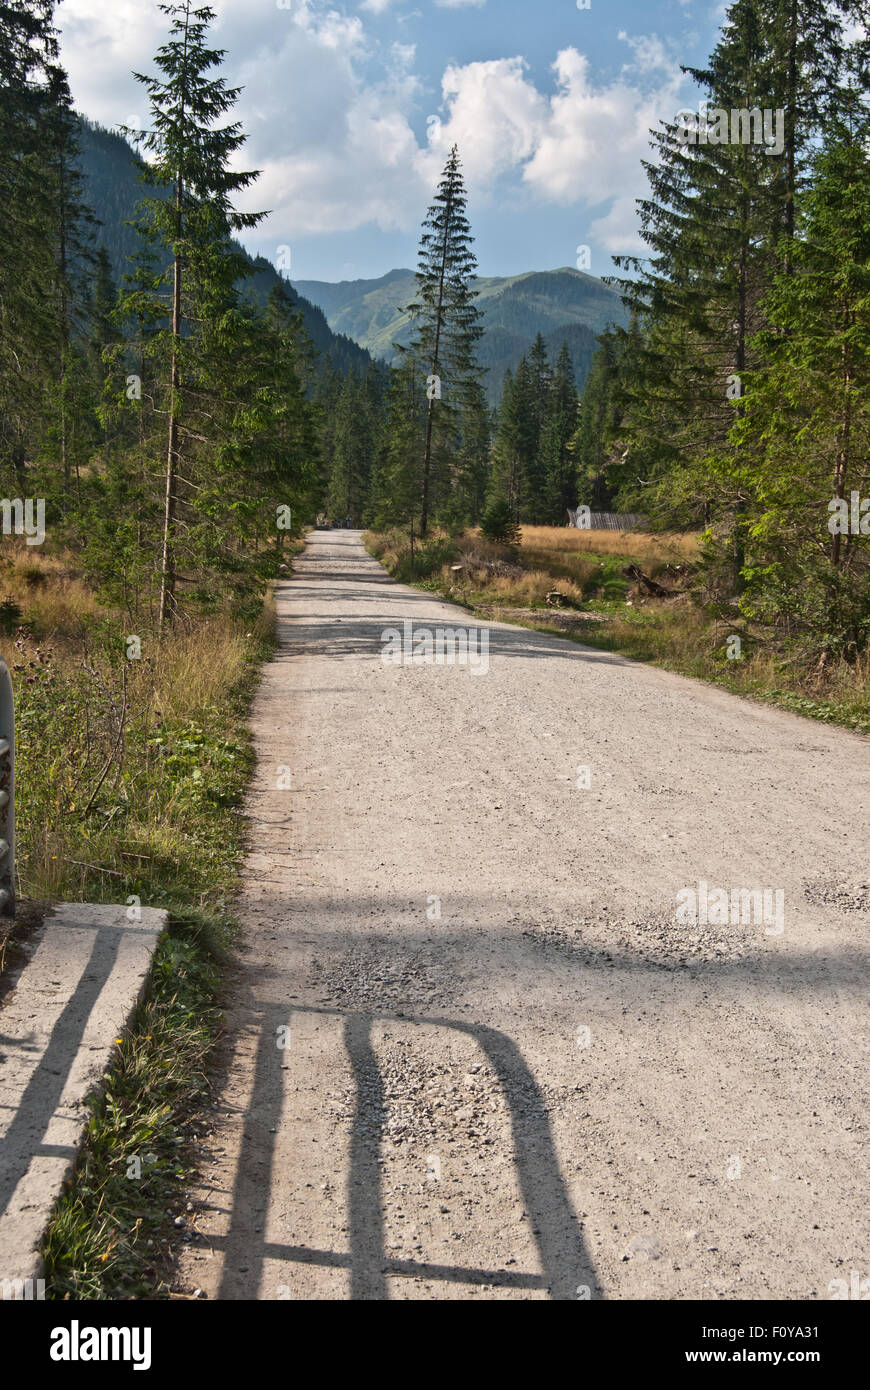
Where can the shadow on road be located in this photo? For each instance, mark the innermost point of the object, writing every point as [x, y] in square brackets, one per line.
[564, 1259]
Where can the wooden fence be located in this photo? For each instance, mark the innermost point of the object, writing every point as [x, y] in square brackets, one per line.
[585, 520]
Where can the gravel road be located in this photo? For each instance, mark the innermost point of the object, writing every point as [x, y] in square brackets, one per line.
[473, 1048]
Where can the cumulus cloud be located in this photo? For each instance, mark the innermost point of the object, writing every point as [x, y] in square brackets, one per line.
[495, 116]
[583, 144]
[331, 115]
[596, 135]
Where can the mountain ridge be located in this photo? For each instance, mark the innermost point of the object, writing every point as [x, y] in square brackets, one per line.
[562, 304]
[112, 189]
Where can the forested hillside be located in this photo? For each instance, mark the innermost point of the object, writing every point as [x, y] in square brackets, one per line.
[562, 305]
[113, 189]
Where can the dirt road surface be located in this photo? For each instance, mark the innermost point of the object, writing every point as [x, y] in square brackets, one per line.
[472, 1053]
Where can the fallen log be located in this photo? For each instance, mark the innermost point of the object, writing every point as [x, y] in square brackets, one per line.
[645, 584]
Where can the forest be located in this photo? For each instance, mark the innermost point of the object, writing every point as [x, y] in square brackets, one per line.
[175, 418]
[166, 401]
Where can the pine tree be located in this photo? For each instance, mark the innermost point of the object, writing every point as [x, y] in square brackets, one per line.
[535, 485]
[446, 325]
[472, 466]
[808, 52]
[515, 440]
[804, 436]
[608, 473]
[103, 330]
[28, 324]
[193, 157]
[355, 445]
[555, 447]
[400, 484]
[714, 225]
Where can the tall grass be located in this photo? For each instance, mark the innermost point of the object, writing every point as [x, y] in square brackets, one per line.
[129, 772]
[645, 548]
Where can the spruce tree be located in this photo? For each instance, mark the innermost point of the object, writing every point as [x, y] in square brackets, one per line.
[516, 440]
[536, 507]
[446, 325]
[400, 484]
[73, 224]
[714, 225]
[803, 441]
[28, 321]
[555, 447]
[192, 156]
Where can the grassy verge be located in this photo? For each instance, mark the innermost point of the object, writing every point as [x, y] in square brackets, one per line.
[130, 775]
[685, 633]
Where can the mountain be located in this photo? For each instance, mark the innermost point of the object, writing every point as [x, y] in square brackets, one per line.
[112, 189]
[354, 320]
[563, 305]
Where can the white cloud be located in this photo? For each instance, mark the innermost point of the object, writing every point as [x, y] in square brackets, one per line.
[583, 144]
[330, 116]
[495, 117]
[617, 230]
[649, 52]
[596, 135]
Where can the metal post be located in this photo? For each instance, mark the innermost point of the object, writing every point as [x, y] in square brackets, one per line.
[7, 794]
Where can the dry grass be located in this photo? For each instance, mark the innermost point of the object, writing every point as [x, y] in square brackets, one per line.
[55, 600]
[191, 671]
[129, 777]
[564, 567]
[125, 766]
[666, 549]
[525, 589]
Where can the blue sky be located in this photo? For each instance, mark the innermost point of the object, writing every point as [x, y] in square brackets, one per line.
[351, 109]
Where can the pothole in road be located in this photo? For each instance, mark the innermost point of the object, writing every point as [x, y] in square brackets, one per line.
[658, 940]
[845, 897]
[371, 981]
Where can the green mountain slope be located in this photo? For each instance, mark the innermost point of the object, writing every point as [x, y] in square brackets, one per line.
[563, 305]
[112, 189]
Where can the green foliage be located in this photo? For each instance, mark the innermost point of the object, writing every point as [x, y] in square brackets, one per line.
[499, 523]
[446, 331]
[563, 305]
[801, 440]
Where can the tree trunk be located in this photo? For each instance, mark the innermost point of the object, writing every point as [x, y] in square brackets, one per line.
[167, 578]
[427, 457]
[790, 118]
[842, 464]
